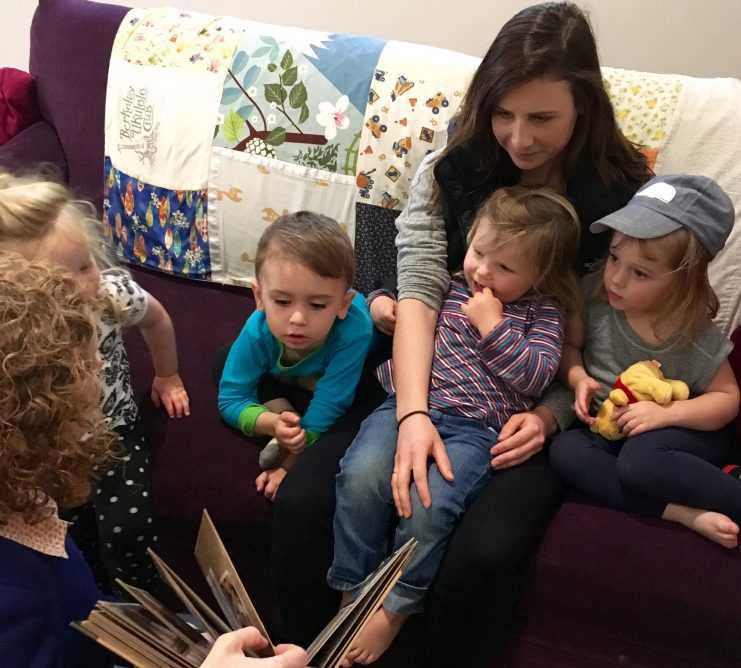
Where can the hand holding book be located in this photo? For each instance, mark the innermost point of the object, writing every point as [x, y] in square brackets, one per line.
[228, 652]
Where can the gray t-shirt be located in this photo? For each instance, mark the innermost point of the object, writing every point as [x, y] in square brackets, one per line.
[611, 346]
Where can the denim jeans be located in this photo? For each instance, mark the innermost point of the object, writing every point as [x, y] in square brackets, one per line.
[365, 513]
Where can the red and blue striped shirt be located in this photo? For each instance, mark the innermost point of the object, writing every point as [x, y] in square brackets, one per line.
[494, 377]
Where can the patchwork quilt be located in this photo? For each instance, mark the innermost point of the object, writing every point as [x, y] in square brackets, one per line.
[215, 126]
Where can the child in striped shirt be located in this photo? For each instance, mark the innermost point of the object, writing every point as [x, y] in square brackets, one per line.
[497, 346]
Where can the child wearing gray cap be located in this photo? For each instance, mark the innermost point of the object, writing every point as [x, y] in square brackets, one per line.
[653, 301]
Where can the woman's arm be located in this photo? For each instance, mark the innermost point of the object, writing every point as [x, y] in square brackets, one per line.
[418, 439]
[422, 280]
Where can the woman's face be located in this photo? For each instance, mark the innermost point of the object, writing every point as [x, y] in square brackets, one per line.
[534, 123]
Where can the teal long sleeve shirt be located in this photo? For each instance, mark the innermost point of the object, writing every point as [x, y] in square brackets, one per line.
[336, 365]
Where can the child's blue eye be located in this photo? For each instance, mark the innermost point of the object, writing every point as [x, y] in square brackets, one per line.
[317, 306]
[282, 302]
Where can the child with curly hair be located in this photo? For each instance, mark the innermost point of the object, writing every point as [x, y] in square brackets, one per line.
[48, 402]
[41, 220]
[53, 438]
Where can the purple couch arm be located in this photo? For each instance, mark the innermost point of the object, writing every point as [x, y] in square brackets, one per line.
[70, 50]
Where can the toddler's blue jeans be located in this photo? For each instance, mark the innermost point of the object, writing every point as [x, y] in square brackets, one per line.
[365, 507]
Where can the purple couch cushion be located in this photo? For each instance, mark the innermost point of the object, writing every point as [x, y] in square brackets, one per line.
[70, 50]
[35, 148]
[664, 589]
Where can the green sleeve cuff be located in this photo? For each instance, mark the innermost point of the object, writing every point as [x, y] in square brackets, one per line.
[312, 437]
[248, 417]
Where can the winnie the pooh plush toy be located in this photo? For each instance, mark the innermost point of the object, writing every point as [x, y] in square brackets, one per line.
[642, 381]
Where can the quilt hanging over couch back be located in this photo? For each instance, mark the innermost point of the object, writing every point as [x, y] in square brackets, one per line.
[215, 126]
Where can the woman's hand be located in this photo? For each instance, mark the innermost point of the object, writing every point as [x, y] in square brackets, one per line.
[418, 441]
[383, 314]
[521, 437]
[583, 393]
[228, 652]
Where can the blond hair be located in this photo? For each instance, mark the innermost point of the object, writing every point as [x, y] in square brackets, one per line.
[693, 299]
[548, 226]
[31, 208]
[46, 400]
[311, 239]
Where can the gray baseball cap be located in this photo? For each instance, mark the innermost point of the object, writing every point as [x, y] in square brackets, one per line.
[671, 201]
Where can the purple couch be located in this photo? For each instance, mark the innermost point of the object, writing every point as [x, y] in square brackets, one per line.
[604, 588]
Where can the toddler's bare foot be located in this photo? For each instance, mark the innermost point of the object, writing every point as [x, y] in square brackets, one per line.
[375, 638]
[715, 526]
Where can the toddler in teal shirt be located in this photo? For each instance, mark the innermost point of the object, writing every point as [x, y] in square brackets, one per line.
[309, 330]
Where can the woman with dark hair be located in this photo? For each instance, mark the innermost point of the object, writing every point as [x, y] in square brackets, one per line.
[536, 113]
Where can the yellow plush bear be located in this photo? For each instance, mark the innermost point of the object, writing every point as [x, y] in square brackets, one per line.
[642, 381]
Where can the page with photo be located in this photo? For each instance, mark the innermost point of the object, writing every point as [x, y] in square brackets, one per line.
[225, 583]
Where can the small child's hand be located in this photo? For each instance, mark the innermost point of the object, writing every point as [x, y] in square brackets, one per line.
[484, 311]
[267, 482]
[643, 416]
[168, 391]
[583, 393]
[289, 433]
[383, 314]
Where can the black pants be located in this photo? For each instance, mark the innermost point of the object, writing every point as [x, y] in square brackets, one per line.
[481, 574]
[643, 473]
[114, 529]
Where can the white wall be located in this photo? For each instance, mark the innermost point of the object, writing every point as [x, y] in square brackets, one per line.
[672, 36]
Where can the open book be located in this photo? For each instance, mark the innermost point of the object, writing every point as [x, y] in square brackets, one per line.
[149, 635]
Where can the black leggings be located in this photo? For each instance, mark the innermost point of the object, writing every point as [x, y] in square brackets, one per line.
[114, 529]
[481, 574]
[642, 474]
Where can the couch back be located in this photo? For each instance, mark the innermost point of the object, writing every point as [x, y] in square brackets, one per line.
[689, 123]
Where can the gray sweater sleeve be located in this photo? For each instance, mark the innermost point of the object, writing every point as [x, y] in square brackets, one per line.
[559, 399]
[422, 263]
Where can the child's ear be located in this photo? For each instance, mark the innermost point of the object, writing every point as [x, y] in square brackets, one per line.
[345, 304]
[257, 292]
